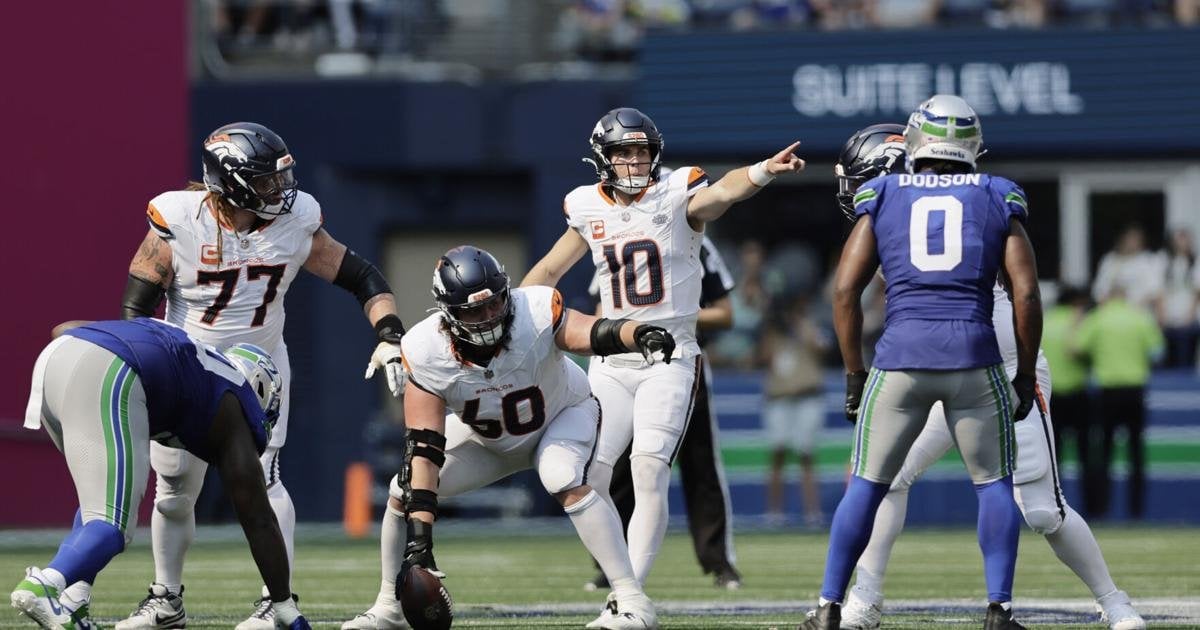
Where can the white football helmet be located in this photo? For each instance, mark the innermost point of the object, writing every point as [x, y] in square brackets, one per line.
[943, 128]
[260, 371]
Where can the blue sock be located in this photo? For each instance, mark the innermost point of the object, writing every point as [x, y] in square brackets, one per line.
[850, 532]
[86, 550]
[999, 530]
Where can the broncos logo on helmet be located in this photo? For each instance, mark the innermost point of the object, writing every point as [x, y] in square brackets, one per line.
[870, 152]
[250, 166]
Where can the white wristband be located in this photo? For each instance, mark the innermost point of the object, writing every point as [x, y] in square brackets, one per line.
[759, 175]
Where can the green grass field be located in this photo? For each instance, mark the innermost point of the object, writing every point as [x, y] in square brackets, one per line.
[516, 580]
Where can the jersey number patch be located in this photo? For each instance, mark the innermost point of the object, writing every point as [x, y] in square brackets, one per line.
[229, 278]
[918, 233]
[624, 271]
[510, 406]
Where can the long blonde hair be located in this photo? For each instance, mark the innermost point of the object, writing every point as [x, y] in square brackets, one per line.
[225, 209]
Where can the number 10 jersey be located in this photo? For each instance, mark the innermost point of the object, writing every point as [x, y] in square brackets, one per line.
[647, 254]
[228, 285]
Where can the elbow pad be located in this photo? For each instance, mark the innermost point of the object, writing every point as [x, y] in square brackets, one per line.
[606, 337]
[361, 278]
[141, 299]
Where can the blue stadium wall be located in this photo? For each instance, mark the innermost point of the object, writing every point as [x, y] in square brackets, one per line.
[391, 156]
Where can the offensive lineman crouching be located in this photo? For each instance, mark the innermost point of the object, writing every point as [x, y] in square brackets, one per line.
[494, 358]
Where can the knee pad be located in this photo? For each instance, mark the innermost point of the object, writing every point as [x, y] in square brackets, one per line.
[394, 489]
[174, 507]
[657, 443]
[1042, 521]
[558, 476]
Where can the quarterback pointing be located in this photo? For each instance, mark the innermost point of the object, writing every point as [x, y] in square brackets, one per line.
[879, 150]
[224, 253]
[644, 235]
[494, 358]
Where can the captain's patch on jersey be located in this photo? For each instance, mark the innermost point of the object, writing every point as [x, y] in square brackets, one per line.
[597, 227]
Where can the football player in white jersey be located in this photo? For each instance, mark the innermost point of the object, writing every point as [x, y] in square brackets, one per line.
[224, 253]
[877, 150]
[644, 234]
[494, 358]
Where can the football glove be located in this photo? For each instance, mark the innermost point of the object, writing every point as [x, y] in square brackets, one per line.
[855, 382]
[419, 550]
[1026, 386]
[651, 339]
[387, 356]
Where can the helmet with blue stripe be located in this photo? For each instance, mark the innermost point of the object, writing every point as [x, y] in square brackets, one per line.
[943, 128]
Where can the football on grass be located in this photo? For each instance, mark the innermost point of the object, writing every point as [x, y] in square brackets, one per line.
[425, 601]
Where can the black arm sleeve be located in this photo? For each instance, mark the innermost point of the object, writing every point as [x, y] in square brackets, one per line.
[142, 298]
[361, 278]
[606, 337]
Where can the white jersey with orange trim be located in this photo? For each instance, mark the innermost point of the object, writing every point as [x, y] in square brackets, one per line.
[229, 286]
[647, 254]
[1006, 336]
[509, 402]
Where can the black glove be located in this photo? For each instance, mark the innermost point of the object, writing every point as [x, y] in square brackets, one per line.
[1026, 386]
[419, 550]
[651, 339]
[855, 382]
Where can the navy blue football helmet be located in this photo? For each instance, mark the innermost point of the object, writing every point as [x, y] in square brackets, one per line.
[469, 280]
[870, 152]
[620, 127]
[250, 166]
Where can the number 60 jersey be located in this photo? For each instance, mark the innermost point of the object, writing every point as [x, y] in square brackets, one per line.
[941, 240]
[509, 402]
[647, 254]
[229, 286]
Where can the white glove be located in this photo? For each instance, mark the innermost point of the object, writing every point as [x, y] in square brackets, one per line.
[387, 356]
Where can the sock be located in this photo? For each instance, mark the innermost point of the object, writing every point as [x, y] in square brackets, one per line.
[889, 522]
[172, 528]
[999, 527]
[393, 535]
[849, 532]
[648, 526]
[76, 595]
[599, 528]
[285, 513]
[85, 551]
[1076, 547]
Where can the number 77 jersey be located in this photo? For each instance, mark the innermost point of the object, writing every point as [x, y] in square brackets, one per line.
[647, 255]
[940, 239]
[229, 286]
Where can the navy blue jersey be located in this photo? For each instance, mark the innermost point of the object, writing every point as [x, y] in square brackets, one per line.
[940, 240]
[184, 380]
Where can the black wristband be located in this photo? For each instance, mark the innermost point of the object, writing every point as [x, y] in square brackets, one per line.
[389, 328]
[606, 337]
[141, 298]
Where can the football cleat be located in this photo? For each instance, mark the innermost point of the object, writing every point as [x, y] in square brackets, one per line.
[727, 578]
[263, 617]
[863, 609]
[385, 614]
[610, 611]
[36, 598]
[80, 616]
[1117, 611]
[1000, 618]
[158, 610]
[827, 616]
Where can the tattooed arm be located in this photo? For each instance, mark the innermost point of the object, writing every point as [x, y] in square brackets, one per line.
[150, 273]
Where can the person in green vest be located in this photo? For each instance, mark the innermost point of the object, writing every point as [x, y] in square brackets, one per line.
[1070, 405]
[1121, 341]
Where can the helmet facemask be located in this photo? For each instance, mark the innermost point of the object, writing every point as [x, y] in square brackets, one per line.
[470, 324]
[610, 170]
[250, 166]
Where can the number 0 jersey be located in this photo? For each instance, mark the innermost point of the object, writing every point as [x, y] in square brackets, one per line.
[509, 401]
[229, 286]
[647, 255]
[940, 240]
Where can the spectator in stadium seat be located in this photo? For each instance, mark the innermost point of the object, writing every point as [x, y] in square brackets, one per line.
[1130, 268]
[1177, 307]
[794, 410]
[737, 347]
[1121, 341]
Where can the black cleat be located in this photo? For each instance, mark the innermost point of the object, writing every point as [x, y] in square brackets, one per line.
[727, 578]
[827, 617]
[998, 618]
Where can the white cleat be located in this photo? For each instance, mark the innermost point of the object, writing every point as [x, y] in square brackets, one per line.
[159, 610]
[1117, 611]
[863, 609]
[381, 616]
[610, 610]
[635, 613]
[263, 617]
[37, 599]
